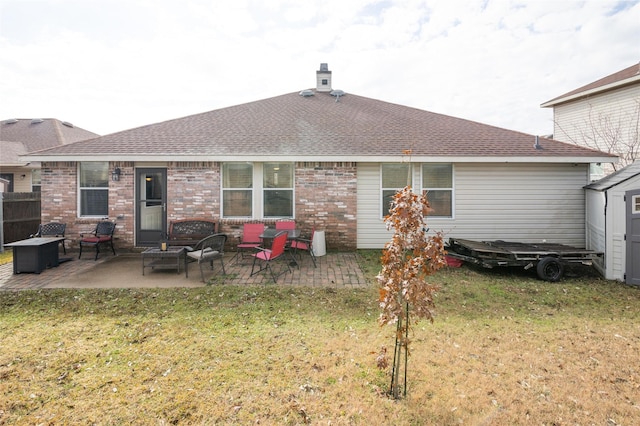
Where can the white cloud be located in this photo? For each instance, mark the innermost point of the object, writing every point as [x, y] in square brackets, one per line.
[109, 66]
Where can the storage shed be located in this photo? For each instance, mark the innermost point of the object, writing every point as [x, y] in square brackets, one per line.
[613, 223]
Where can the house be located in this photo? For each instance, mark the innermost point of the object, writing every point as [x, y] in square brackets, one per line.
[602, 115]
[327, 158]
[21, 136]
[613, 223]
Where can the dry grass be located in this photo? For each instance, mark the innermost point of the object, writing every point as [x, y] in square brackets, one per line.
[6, 257]
[505, 349]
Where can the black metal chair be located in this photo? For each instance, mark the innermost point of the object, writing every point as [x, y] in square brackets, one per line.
[207, 250]
[103, 234]
[51, 229]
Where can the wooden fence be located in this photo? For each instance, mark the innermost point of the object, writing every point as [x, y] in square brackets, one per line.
[20, 215]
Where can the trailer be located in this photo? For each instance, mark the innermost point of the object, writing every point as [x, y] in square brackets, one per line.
[549, 259]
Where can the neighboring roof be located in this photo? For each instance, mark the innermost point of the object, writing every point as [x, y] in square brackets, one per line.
[616, 80]
[37, 134]
[321, 127]
[10, 153]
[616, 178]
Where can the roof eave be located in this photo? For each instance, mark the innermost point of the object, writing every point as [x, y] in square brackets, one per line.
[328, 158]
[594, 91]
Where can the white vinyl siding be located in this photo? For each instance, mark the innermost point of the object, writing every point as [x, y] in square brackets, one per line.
[496, 201]
[586, 119]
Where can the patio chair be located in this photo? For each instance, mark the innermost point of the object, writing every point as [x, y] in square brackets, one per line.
[207, 250]
[102, 235]
[305, 245]
[267, 256]
[51, 229]
[250, 239]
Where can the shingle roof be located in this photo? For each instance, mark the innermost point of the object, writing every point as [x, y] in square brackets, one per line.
[38, 134]
[616, 178]
[616, 79]
[10, 153]
[315, 128]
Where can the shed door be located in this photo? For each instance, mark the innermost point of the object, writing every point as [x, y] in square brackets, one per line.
[151, 206]
[633, 237]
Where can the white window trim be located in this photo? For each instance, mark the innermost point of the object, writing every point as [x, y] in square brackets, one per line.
[81, 188]
[382, 189]
[257, 198]
[452, 189]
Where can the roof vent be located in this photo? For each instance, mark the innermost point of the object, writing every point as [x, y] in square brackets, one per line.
[66, 123]
[37, 121]
[306, 93]
[337, 93]
[11, 121]
[537, 144]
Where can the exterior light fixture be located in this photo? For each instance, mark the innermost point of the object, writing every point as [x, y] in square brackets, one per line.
[115, 175]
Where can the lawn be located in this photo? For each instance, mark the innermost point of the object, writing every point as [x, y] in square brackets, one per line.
[505, 348]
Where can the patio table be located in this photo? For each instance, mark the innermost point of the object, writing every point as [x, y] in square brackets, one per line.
[170, 258]
[35, 254]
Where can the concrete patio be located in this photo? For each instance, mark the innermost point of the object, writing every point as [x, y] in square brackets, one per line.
[125, 271]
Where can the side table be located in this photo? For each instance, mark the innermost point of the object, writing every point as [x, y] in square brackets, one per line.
[171, 258]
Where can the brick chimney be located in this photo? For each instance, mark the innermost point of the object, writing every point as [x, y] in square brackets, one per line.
[323, 79]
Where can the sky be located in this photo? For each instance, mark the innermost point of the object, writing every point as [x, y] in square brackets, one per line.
[112, 65]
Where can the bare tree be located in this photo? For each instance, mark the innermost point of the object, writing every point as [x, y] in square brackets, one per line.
[614, 133]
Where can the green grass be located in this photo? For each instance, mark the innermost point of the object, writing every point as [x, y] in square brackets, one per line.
[505, 348]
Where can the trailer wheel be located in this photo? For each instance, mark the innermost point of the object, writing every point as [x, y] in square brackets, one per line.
[550, 269]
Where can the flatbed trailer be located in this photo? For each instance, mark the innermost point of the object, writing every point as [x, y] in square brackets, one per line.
[549, 259]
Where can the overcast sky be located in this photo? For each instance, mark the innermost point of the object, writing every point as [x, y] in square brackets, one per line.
[111, 65]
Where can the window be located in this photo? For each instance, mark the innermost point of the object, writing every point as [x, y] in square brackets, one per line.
[259, 190]
[237, 190]
[277, 184]
[636, 204]
[94, 189]
[394, 177]
[437, 185]
[325, 81]
[35, 180]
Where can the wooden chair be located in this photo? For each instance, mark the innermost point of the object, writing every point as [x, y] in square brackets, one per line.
[305, 245]
[207, 250]
[103, 234]
[52, 229]
[250, 239]
[268, 256]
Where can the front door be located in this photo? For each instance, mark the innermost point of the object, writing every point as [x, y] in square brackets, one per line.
[633, 237]
[151, 206]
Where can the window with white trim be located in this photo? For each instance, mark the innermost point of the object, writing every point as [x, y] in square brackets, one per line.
[437, 185]
[237, 190]
[636, 204]
[394, 177]
[93, 191]
[257, 190]
[277, 185]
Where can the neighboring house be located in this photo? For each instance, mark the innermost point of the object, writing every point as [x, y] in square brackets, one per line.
[329, 159]
[603, 115]
[21, 136]
[613, 223]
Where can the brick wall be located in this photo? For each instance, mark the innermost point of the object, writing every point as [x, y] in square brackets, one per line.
[325, 199]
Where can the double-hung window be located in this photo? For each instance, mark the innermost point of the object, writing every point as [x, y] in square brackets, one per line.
[277, 187]
[94, 188]
[237, 190]
[257, 190]
[395, 176]
[437, 185]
